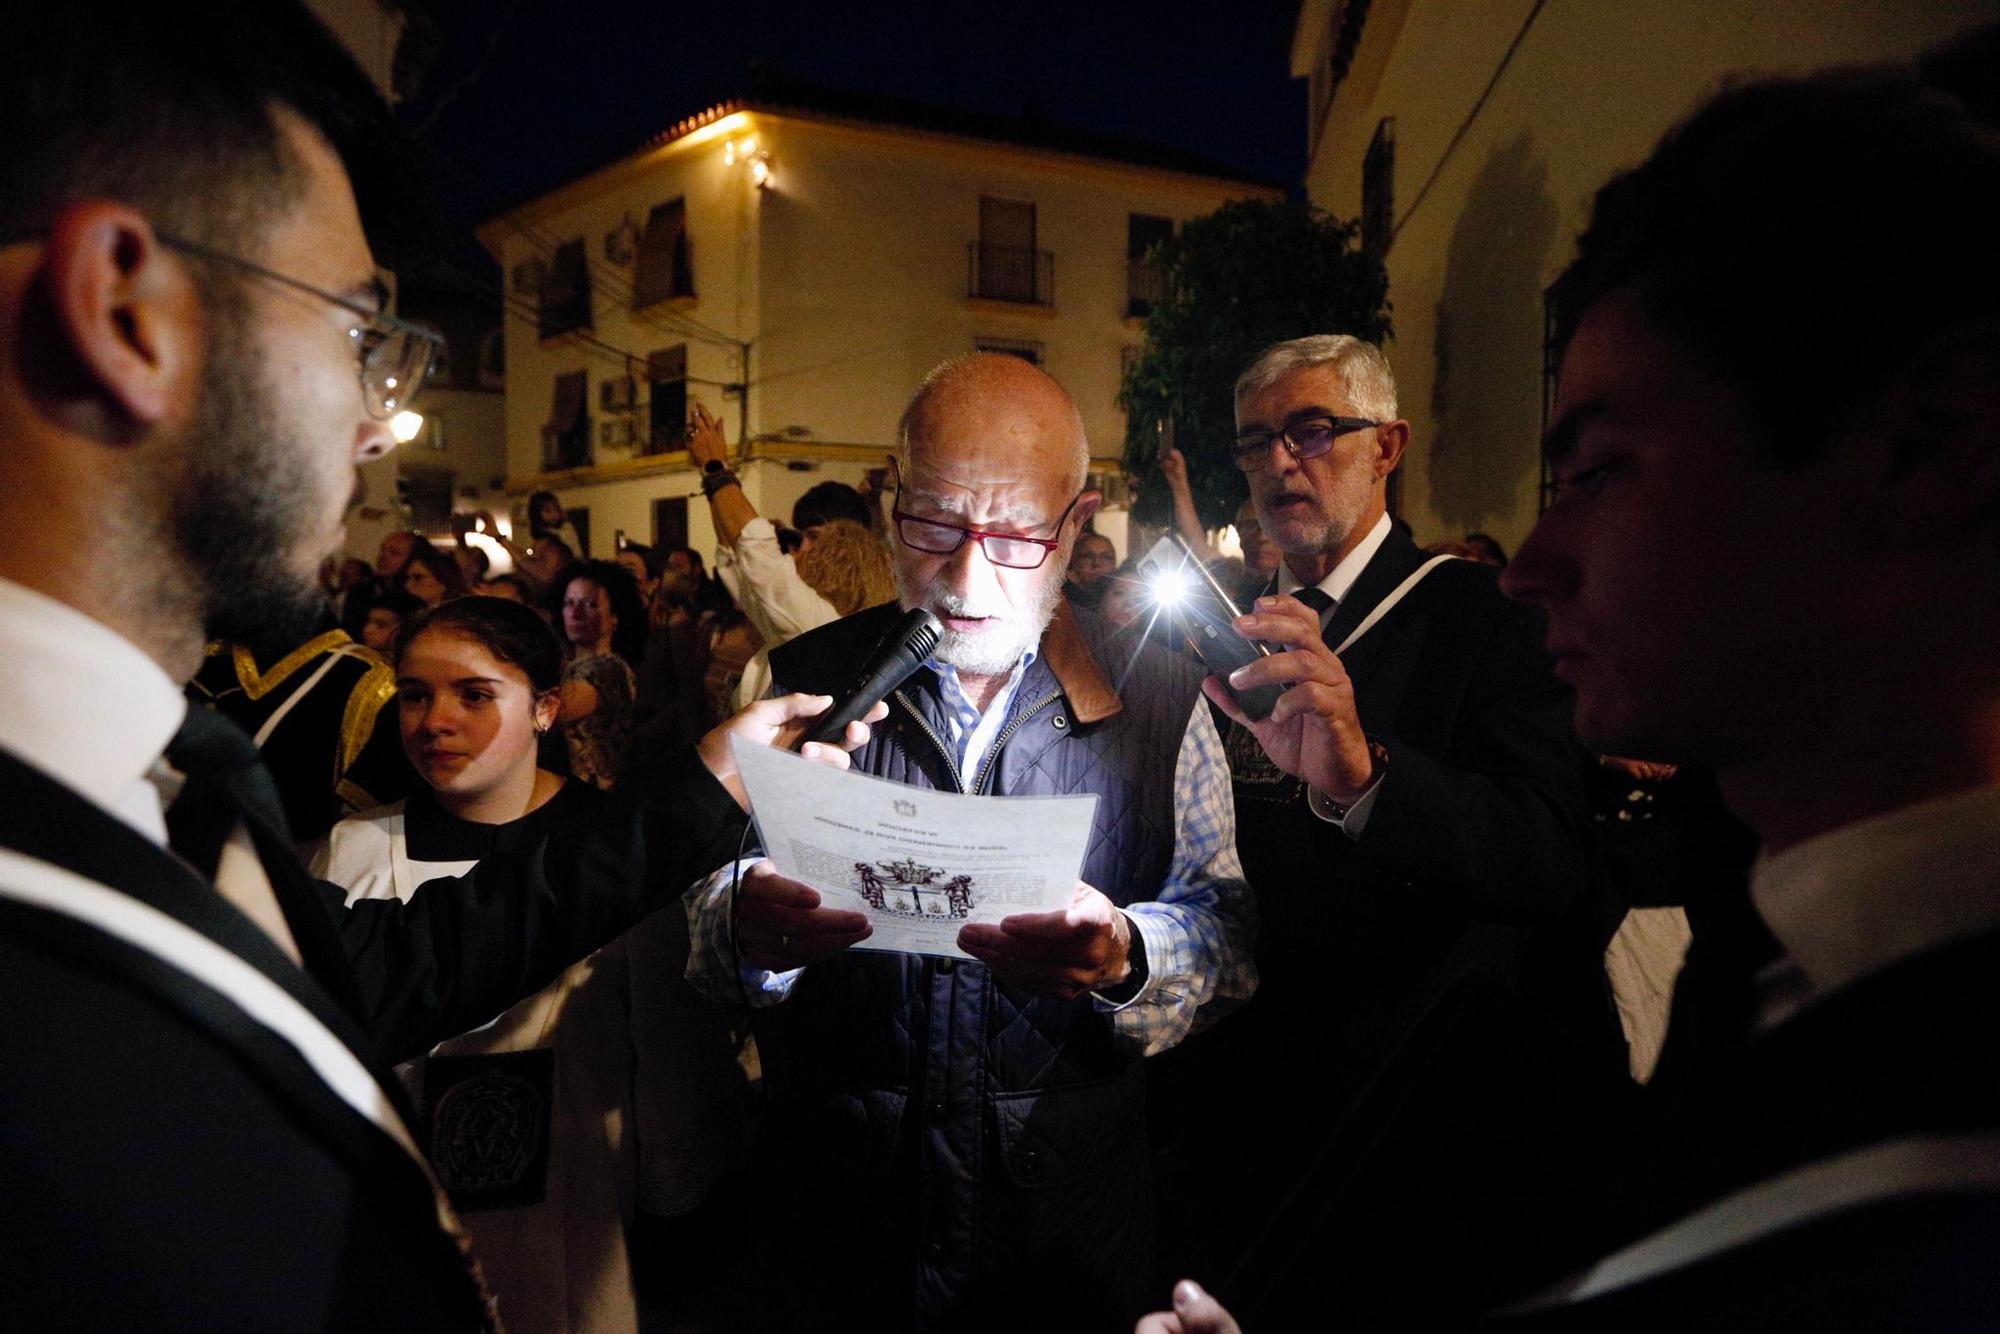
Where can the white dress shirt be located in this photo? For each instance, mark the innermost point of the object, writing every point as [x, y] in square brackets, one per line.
[766, 583]
[1342, 576]
[84, 705]
[1339, 580]
[1851, 902]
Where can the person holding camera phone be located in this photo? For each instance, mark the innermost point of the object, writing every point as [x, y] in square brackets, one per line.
[1412, 823]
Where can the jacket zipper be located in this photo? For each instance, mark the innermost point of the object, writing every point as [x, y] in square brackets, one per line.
[943, 750]
[993, 751]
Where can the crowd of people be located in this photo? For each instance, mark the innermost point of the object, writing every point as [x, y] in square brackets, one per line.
[1600, 938]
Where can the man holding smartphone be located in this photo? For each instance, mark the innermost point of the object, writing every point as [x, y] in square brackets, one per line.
[1412, 823]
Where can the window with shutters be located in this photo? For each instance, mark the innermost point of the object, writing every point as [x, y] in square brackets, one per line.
[666, 372]
[665, 264]
[1378, 190]
[566, 434]
[565, 305]
[1143, 233]
[1003, 264]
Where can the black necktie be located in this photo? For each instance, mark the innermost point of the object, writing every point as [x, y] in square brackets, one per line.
[1315, 598]
[226, 782]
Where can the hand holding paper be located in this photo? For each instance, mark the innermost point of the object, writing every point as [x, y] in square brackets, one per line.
[917, 866]
[1061, 954]
[780, 924]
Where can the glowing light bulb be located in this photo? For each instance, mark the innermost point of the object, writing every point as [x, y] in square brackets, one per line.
[405, 425]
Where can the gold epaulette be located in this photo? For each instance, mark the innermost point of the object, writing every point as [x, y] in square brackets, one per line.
[258, 684]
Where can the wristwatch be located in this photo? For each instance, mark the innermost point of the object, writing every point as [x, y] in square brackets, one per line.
[1135, 963]
[714, 476]
[1335, 812]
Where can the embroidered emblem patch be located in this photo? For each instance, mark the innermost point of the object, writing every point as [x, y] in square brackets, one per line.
[488, 1126]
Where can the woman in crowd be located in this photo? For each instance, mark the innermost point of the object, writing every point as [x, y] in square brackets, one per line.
[432, 577]
[603, 623]
[548, 1204]
[843, 570]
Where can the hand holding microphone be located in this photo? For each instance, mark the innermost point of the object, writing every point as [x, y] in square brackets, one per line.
[910, 641]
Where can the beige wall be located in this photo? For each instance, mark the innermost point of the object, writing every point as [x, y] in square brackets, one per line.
[1592, 87]
[369, 29]
[864, 280]
[473, 425]
[847, 274]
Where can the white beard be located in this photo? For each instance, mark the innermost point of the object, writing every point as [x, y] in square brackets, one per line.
[994, 649]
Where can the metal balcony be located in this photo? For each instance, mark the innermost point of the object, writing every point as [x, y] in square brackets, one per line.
[1010, 273]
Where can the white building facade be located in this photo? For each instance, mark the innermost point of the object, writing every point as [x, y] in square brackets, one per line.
[798, 270]
[1470, 140]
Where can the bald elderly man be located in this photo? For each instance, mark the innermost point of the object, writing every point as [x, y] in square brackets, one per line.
[948, 1138]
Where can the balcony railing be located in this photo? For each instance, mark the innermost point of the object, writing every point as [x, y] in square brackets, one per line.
[1143, 286]
[1010, 273]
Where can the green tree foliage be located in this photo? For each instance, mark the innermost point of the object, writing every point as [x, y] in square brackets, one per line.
[1250, 274]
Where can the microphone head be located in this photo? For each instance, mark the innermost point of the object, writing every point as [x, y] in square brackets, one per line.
[919, 633]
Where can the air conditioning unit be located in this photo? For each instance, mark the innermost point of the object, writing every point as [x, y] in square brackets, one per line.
[617, 432]
[528, 277]
[617, 393]
[621, 243]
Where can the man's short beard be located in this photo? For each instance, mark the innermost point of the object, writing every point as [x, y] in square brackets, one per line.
[992, 653]
[245, 497]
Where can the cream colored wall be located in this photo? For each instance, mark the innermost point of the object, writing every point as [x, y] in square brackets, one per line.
[718, 201]
[475, 451]
[864, 278]
[847, 274]
[1591, 89]
[369, 29]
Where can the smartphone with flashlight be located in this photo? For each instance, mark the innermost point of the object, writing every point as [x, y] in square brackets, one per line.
[1187, 592]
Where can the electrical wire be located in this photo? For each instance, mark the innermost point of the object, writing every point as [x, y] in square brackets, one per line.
[1533, 13]
[602, 279]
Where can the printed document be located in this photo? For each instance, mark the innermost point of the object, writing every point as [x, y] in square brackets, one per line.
[919, 863]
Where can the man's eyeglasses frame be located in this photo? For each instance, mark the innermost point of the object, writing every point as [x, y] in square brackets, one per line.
[1251, 452]
[388, 382]
[984, 536]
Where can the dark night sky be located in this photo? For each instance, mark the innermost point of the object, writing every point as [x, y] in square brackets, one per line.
[526, 94]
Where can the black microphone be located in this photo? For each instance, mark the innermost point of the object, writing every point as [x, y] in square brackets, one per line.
[903, 650]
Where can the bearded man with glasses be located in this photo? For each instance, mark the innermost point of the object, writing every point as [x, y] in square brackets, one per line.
[1412, 823]
[958, 1139]
[201, 1130]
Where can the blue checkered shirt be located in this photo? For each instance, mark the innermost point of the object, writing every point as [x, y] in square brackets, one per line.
[1198, 931]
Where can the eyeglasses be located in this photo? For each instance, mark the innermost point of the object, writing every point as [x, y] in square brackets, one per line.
[395, 355]
[1307, 439]
[1013, 550]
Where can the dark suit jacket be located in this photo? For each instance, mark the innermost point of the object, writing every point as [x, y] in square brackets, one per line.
[1899, 1055]
[168, 1163]
[1469, 883]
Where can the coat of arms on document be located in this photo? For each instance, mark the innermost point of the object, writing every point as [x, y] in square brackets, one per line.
[911, 889]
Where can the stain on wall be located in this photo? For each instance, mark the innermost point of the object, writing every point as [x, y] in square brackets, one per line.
[1486, 390]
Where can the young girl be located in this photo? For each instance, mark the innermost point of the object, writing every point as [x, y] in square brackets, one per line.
[529, 1121]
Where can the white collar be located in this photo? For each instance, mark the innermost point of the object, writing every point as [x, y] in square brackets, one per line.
[1857, 899]
[84, 705]
[1342, 576]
